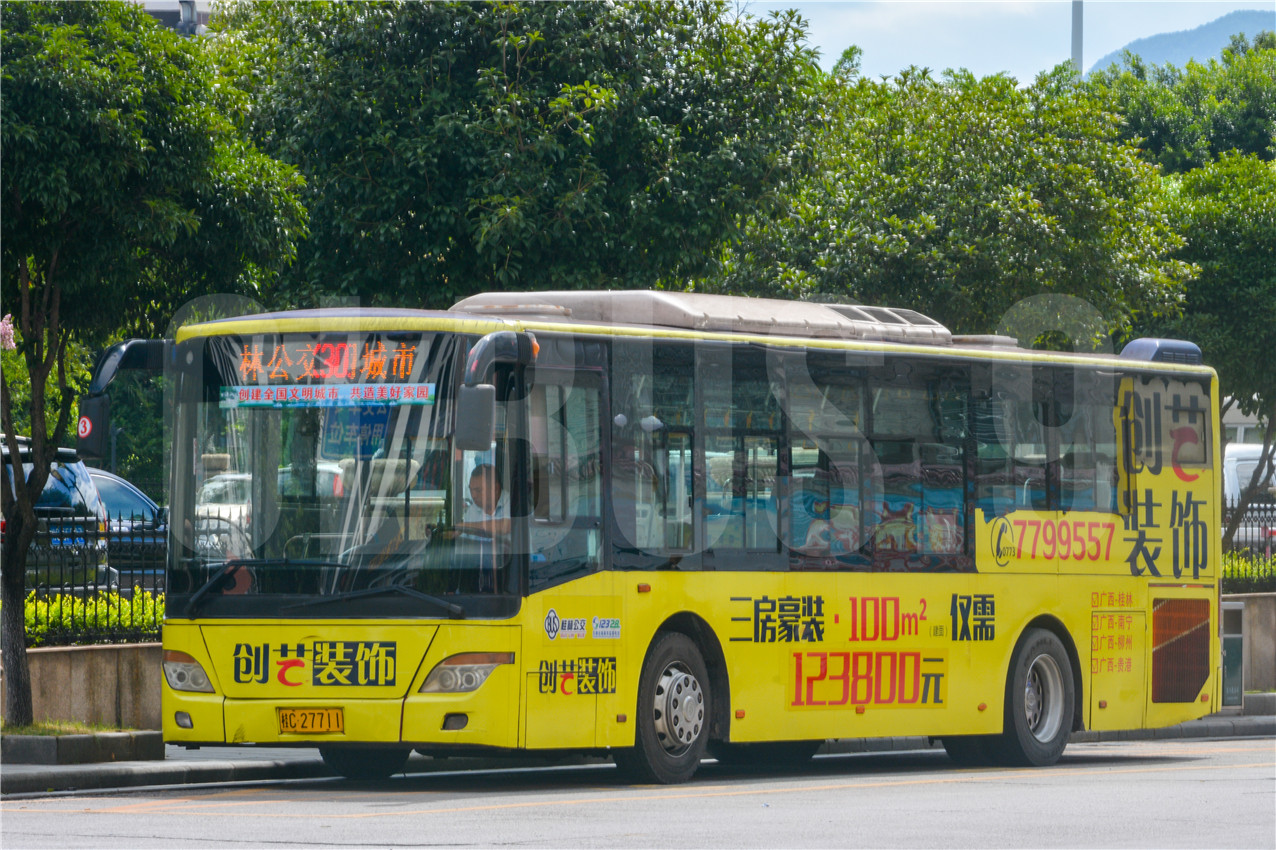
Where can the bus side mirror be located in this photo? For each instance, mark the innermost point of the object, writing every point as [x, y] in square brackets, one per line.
[475, 417]
[94, 427]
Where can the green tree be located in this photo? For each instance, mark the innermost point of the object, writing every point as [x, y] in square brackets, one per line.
[79, 369]
[1227, 213]
[1184, 118]
[959, 197]
[451, 148]
[124, 191]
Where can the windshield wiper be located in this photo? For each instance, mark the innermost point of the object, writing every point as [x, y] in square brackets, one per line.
[456, 611]
[217, 581]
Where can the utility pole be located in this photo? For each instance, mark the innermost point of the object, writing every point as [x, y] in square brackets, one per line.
[1076, 35]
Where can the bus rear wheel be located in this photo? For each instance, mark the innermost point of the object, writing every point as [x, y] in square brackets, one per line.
[1040, 699]
[365, 762]
[673, 714]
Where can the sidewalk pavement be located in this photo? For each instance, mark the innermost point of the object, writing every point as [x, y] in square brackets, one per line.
[258, 764]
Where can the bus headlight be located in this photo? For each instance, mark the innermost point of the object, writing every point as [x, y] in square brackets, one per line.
[184, 673]
[464, 673]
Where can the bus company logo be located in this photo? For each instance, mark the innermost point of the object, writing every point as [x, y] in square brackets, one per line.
[564, 627]
[1003, 541]
[606, 628]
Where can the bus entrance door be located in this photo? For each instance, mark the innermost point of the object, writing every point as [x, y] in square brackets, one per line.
[572, 665]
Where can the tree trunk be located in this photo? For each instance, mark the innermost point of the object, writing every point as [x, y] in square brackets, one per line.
[13, 632]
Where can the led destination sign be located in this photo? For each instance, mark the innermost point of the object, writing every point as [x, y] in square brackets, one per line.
[309, 362]
[310, 373]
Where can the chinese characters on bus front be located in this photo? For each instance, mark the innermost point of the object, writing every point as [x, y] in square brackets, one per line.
[317, 362]
[322, 662]
[326, 374]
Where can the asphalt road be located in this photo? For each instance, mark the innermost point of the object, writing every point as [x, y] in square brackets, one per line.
[1189, 793]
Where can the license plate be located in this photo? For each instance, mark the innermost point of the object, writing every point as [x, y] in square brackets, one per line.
[310, 721]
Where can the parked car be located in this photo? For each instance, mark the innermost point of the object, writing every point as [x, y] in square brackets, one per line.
[226, 497]
[69, 552]
[328, 481]
[1257, 530]
[138, 531]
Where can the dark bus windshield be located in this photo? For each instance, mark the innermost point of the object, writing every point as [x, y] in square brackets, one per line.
[316, 477]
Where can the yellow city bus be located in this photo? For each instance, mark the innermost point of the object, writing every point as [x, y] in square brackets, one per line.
[669, 526]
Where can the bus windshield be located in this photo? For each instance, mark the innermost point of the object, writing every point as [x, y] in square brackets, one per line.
[319, 478]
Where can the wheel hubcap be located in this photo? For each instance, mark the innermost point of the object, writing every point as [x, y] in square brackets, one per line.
[679, 708]
[1043, 698]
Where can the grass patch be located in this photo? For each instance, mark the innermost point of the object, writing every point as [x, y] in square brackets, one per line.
[49, 728]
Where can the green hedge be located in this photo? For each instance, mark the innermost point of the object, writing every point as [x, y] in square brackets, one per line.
[101, 618]
[1248, 574]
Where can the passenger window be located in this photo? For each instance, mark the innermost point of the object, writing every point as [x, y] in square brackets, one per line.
[915, 499]
[742, 427]
[990, 425]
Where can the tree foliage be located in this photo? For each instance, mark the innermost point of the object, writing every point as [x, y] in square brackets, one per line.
[1226, 211]
[959, 197]
[451, 148]
[1187, 117]
[124, 191]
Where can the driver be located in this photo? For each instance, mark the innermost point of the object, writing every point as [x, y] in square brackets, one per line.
[488, 510]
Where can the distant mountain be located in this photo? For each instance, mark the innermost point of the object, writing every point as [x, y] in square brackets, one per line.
[1202, 44]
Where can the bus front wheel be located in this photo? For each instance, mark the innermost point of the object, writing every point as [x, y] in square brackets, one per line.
[673, 714]
[1039, 702]
[365, 762]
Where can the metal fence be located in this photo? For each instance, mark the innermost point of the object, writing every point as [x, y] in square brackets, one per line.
[1256, 532]
[88, 585]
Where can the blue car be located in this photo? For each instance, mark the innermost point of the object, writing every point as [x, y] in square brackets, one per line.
[137, 531]
[69, 552]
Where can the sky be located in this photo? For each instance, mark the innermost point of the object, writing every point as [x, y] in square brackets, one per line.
[987, 36]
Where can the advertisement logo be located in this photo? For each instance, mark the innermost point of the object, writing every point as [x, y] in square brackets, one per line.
[606, 628]
[564, 627]
[1003, 541]
[318, 663]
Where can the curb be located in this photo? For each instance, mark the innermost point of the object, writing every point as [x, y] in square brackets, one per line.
[82, 749]
[77, 778]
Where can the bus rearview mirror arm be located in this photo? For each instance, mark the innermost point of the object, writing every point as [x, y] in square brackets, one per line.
[476, 398]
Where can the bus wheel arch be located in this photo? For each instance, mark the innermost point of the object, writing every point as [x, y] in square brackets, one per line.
[1053, 624]
[1040, 701]
[672, 718]
[695, 628]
